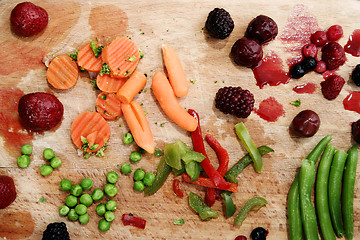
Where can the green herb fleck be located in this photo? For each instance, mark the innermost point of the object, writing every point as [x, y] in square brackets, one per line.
[158, 152]
[43, 199]
[103, 96]
[296, 103]
[101, 153]
[146, 112]
[162, 124]
[179, 221]
[127, 72]
[84, 140]
[192, 80]
[105, 69]
[93, 81]
[82, 69]
[145, 74]
[94, 146]
[97, 50]
[141, 53]
[215, 81]
[87, 155]
[74, 55]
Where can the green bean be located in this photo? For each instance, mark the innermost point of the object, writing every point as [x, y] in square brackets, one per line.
[294, 214]
[254, 203]
[319, 148]
[347, 196]
[322, 199]
[308, 215]
[335, 178]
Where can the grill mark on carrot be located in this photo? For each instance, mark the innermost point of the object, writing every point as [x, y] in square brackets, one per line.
[87, 59]
[131, 87]
[63, 72]
[109, 106]
[107, 83]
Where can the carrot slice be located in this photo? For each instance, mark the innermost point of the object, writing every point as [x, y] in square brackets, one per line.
[87, 60]
[131, 87]
[63, 72]
[122, 56]
[107, 83]
[170, 104]
[90, 125]
[139, 126]
[175, 72]
[109, 106]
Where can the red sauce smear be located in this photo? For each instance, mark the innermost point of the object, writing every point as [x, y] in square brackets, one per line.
[353, 44]
[352, 102]
[305, 88]
[270, 71]
[270, 110]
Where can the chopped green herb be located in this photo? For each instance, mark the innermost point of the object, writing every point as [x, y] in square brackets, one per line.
[145, 74]
[162, 124]
[74, 55]
[141, 53]
[101, 153]
[93, 81]
[192, 80]
[97, 50]
[127, 72]
[94, 146]
[43, 199]
[103, 96]
[158, 152]
[296, 103]
[87, 155]
[105, 69]
[146, 112]
[215, 81]
[84, 140]
[179, 221]
[82, 69]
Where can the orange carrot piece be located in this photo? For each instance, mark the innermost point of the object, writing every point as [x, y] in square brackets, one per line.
[131, 87]
[170, 104]
[139, 126]
[63, 72]
[90, 125]
[109, 106]
[107, 83]
[87, 60]
[175, 72]
[122, 56]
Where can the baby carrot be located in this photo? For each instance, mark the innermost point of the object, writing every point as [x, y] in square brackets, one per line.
[175, 72]
[107, 83]
[169, 103]
[109, 106]
[87, 60]
[131, 87]
[63, 72]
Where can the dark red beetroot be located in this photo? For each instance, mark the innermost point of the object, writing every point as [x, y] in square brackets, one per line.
[333, 54]
[7, 191]
[40, 111]
[247, 52]
[306, 123]
[262, 29]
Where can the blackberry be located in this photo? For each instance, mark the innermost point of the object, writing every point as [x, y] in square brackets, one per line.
[355, 75]
[56, 231]
[297, 71]
[235, 101]
[309, 64]
[219, 23]
[259, 233]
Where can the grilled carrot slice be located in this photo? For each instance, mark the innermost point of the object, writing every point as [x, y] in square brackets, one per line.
[131, 87]
[87, 60]
[93, 127]
[107, 83]
[63, 72]
[139, 126]
[170, 104]
[175, 72]
[122, 56]
[109, 106]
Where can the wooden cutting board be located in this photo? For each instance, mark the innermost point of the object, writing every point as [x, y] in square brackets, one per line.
[178, 24]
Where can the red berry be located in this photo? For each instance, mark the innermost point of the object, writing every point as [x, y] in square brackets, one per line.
[7, 191]
[240, 237]
[334, 33]
[247, 52]
[332, 86]
[333, 54]
[319, 38]
[306, 123]
[310, 50]
[27, 19]
[355, 131]
[320, 67]
[262, 29]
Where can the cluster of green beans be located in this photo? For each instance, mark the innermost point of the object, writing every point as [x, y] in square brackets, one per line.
[55, 162]
[24, 160]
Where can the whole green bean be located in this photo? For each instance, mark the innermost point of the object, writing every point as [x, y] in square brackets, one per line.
[335, 179]
[321, 193]
[319, 148]
[347, 196]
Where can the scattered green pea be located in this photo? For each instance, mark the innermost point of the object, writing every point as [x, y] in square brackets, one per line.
[86, 199]
[139, 186]
[80, 209]
[84, 219]
[135, 156]
[23, 161]
[72, 215]
[112, 177]
[100, 209]
[149, 179]
[110, 205]
[104, 225]
[48, 153]
[76, 190]
[86, 183]
[109, 216]
[110, 189]
[55, 162]
[128, 138]
[46, 170]
[64, 210]
[65, 184]
[139, 174]
[26, 149]
[71, 201]
[126, 168]
[97, 194]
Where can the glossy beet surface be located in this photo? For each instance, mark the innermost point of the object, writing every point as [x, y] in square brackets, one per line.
[306, 123]
[259, 233]
[262, 29]
[247, 52]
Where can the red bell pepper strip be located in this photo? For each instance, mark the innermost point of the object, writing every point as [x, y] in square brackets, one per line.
[221, 153]
[176, 185]
[128, 219]
[206, 182]
[210, 196]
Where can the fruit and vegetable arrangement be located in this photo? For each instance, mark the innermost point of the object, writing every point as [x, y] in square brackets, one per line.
[236, 141]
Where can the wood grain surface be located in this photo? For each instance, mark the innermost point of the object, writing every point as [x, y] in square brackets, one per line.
[178, 24]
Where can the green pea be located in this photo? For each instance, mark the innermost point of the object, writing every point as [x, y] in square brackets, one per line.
[46, 170]
[149, 179]
[109, 216]
[55, 162]
[64, 210]
[65, 184]
[139, 174]
[48, 153]
[110, 205]
[139, 186]
[80, 209]
[86, 183]
[100, 209]
[112, 177]
[104, 225]
[72, 215]
[128, 138]
[71, 201]
[110, 189]
[84, 219]
[23, 161]
[97, 194]
[86, 199]
[76, 190]
[26, 149]
[126, 168]
[135, 156]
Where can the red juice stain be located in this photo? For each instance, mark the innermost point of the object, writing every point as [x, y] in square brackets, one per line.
[270, 110]
[353, 44]
[352, 102]
[305, 88]
[270, 71]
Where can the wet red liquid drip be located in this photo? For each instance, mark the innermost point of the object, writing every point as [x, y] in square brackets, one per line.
[270, 110]
[11, 130]
[305, 88]
[270, 71]
[353, 44]
[352, 102]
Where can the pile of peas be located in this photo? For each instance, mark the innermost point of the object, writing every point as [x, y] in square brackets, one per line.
[24, 160]
[55, 162]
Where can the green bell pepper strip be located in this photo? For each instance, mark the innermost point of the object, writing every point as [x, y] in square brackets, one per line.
[254, 203]
[193, 170]
[173, 155]
[230, 207]
[199, 206]
[163, 171]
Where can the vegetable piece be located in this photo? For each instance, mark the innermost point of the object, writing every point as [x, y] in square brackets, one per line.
[87, 59]
[230, 207]
[108, 83]
[177, 190]
[26, 149]
[112, 177]
[97, 195]
[308, 215]
[84, 219]
[131, 87]
[210, 196]
[110, 189]
[104, 225]
[175, 72]
[173, 155]
[96, 48]
[109, 106]
[86, 199]
[90, 124]
[76, 190]
[109, 216]
[163, 171]
[62, 72]
[101, 209]
[55, 162]
[199, 206]
[139, 174]
[46, 170]
[139, 126]
[86, 183]
[72, 215]
[48, 153]
[170, 104]
[179, 221]
[110, 205]
[23, 161]
[122, 56]
[207, 182]
[65, 184]
[221, 154]
[322, 197]
[128, 138]
[347, 196]
[193, 170]
[319, 148]
[149, 179]
[254, 203]
[135, 156]
[246, 140]
[128, 219]
[125, 168]
[139, 186]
